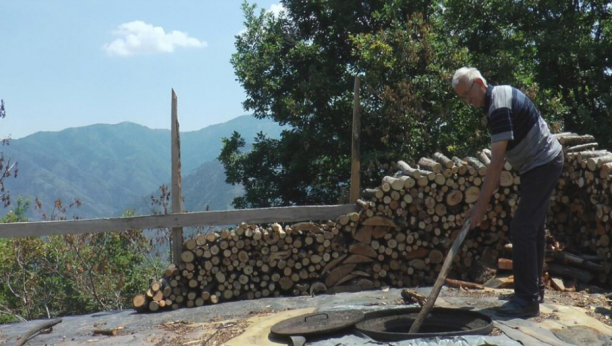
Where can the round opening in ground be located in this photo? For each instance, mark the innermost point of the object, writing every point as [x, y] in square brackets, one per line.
[394, 324]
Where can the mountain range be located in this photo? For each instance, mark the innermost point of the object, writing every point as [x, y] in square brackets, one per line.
[112, 168]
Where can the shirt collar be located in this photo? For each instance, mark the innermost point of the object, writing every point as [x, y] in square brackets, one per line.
[487, 104]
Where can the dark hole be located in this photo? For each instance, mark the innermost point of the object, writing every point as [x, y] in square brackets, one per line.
[427, 327]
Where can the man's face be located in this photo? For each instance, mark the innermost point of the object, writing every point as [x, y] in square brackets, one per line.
[471, 93]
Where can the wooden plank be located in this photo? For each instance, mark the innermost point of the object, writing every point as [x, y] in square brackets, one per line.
[211, 218]
[177, 207]
[355, 157]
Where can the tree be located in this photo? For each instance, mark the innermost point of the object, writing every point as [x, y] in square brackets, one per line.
[44, 277]
[557, 51]
[298, 69]
[8, 167]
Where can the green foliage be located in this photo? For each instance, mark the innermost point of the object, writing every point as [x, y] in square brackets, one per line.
[556, 51]
[297, 69]
[71, 274]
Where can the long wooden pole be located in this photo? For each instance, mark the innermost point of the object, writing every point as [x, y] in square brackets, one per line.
[177, 207]
[435, 291]
[208, 218]
[355, 157]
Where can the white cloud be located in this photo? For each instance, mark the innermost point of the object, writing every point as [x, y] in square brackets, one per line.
[276, 9]
[139, 37]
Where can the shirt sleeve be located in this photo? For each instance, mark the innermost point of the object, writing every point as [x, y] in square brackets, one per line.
[500, 125]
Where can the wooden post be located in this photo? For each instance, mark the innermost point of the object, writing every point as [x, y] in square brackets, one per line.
[177, 232]
[355, 158]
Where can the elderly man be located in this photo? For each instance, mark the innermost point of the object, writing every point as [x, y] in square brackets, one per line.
[521, 135]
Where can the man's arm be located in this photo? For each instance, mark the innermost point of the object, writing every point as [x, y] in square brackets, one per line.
[498, 150]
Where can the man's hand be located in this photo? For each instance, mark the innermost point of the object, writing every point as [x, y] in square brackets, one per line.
[476, 215]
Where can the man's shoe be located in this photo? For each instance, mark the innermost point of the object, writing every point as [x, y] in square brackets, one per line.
[514, 308]
[511, 296]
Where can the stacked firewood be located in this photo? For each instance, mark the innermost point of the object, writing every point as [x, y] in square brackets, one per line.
[399, 238]
[580, 213]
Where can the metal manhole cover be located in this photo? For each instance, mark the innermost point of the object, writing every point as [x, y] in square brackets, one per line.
[318, 323]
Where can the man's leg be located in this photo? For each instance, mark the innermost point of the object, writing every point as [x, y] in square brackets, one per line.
[528, 238]
[541, 248]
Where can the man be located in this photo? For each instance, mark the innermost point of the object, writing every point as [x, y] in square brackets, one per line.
[521, 135]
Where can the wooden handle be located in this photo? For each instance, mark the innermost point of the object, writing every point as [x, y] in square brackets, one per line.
[435, 291]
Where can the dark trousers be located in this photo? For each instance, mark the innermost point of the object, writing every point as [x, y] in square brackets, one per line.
[527, 228]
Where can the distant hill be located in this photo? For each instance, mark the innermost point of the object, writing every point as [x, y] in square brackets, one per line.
[113, 167]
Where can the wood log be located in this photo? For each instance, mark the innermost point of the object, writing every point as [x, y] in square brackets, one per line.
[504, 264]
[338, 273]
[333, 264]
[581, 147]
[395, 183]
[506, 179]
[362, 249]
[483, 158]
[357, 259]
[472, 194]
[574, 139]
[569, 258]
[463, 284]
[406, 169]
[443, 160]
[570, 272]
[436, 256]
[364, 234]
[430, 165]
[477, 165]
[454, 197]
[461, 165]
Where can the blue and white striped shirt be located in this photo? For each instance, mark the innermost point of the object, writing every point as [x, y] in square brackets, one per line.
[512, 116]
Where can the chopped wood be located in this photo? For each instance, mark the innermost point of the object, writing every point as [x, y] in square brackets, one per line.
[379, 232]
[557, 284]
[443, 160]
[364, 234]
[436, 256]
[333, 263]
[306, 226]
[363, 249]
[463, 284]
[430, 165]
[357, 259]
[108, 332]
[338, 273]
[317, 287]
[504, 264]
[359, 285]
[570, 272]
[379, 221]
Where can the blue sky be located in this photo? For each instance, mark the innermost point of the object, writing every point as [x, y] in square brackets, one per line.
[75, 63]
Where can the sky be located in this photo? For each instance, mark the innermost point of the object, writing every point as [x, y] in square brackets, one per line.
[76, 63]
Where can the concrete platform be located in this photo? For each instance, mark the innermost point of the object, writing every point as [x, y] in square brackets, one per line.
[248, 322]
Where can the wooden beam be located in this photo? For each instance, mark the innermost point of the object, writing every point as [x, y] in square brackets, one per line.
[177, 207]
[212, 218]
[355, 157]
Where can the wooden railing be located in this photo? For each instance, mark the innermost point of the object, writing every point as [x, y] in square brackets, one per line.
[209, 218]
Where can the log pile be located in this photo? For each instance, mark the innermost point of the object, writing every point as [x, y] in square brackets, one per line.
[580, 213]
[400, 236]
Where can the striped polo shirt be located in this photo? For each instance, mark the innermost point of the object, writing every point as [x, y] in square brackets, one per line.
[512, 116]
